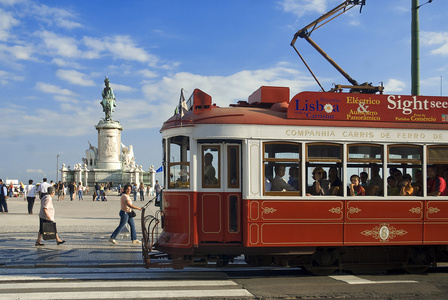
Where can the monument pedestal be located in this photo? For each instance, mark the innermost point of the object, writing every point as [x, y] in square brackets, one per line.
[109, 145]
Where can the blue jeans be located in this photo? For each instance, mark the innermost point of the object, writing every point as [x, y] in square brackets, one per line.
[124, 218]
[98, 194]
[80, 195]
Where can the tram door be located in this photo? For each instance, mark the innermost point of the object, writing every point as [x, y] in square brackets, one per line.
[219, 196]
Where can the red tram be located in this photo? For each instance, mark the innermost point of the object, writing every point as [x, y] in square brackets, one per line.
[222, 197]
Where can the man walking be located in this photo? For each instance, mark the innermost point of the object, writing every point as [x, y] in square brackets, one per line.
[43, 188]
[3, 197]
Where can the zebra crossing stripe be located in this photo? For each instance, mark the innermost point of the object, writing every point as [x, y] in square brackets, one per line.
[117, 284]
[132, 294]
[351, 279]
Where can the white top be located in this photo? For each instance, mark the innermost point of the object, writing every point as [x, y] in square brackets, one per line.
[30, 190]
[43, 187]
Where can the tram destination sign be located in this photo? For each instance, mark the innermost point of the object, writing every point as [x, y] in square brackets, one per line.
[368, 107]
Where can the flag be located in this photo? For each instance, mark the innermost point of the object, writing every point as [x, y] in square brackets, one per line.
[159, 169]
[182, 107]
[182, 104]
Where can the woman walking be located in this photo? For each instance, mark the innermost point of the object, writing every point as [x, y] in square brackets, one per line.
[46, 215]
[80, 191]
[141, 189]
[126, 216]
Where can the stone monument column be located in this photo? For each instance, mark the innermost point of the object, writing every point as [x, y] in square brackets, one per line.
[109, 145]
[109, 133]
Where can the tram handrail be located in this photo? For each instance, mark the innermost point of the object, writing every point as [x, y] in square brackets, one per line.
[146, 231]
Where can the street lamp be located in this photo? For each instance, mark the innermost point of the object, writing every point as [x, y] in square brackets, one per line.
[415, 45]
[57, 167]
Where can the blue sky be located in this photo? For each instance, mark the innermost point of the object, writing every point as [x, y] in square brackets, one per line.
[54, 56]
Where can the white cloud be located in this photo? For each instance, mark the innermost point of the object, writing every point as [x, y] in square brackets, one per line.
[39, 171]
[53, 89]
[75, 77]
[302, 7]
[148, 73]
[394, 86]
[120, 47]
[54, 16]
[7, 21]
[13, 53]
[60, 45]
[122, 88]
[7, 77]
[439, 39]
[223, 89]
[66, 64]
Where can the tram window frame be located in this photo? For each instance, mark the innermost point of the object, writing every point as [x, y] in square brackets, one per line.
[323, 158]
[179, 179]
[325, 162]
[404, 160]
[404, 164]
[270, 162]
[216, 163]
[365, 164]
[432, 160]
[233, 167]
[365, 159]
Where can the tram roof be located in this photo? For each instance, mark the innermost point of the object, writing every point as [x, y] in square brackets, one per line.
[316, 109]
[265, 116]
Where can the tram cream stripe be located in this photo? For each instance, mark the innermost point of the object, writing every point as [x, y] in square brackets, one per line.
[351, 279]
[159, 294]
[117, 284]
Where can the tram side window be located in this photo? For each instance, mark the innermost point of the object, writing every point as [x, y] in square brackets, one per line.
[281, 168]
[437, 170]
[364, 163]
[323, 169]
[405, 175]
[233, 167]
[179, 162]
[210, 167]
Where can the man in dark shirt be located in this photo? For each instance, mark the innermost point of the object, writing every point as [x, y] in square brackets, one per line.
[71, 190]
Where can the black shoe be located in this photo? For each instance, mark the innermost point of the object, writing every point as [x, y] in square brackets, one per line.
[61, 242]
[39, 244]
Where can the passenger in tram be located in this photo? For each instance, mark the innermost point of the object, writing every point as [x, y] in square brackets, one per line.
[278, 183]
[376, 179]
[335, 181]
[355, 189]
[294, 177]
[392, 188]
[363, 177]
[445, 175]
[398, 177]
[417, 184]
[406, 188]
[267, 184]
[209, 170]
[321, 185]
[436, 184]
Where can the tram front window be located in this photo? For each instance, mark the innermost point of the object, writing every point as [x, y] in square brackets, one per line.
[179, 162]
[210, 167]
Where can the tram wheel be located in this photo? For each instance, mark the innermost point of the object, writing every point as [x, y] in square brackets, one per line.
[324, 262]
[418, 261]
